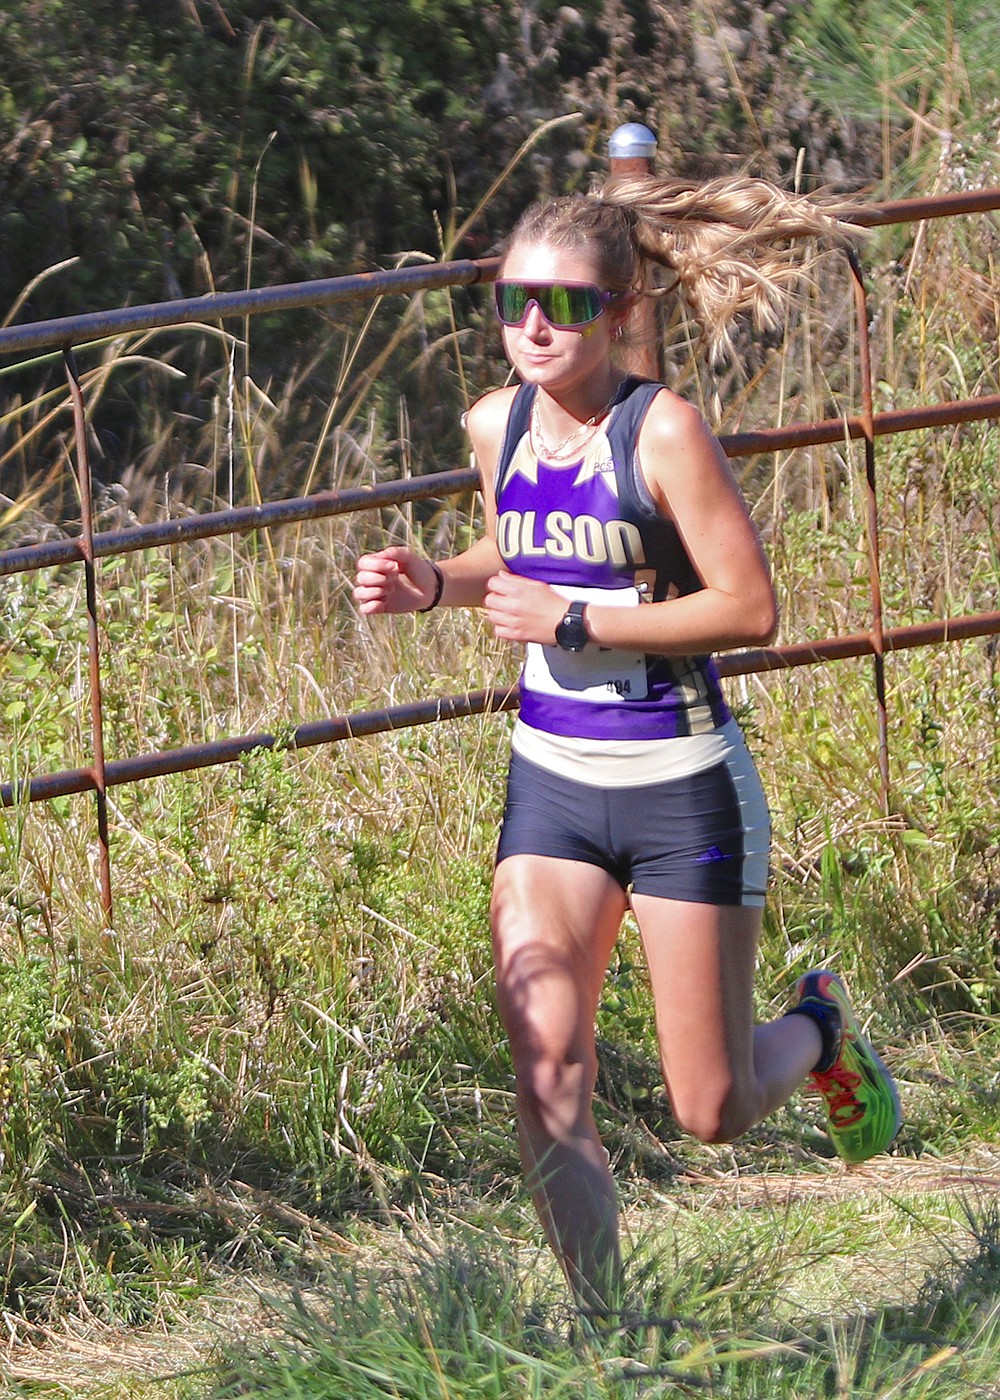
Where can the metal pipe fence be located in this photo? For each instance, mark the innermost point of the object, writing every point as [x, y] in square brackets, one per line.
[68, 332]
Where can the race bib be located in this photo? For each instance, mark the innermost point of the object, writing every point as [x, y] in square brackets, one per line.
[602, 675]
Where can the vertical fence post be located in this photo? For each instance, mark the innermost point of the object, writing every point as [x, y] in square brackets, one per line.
[93, 632]
[631, 150]
[871, 496]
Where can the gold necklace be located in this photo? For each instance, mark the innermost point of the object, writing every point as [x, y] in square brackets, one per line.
[584, 428]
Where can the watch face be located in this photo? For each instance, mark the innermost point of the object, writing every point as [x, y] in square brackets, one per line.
[571, 634]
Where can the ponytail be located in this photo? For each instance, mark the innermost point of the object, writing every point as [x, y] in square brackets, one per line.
[730, 243]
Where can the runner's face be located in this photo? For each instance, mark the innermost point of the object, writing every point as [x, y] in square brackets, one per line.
[560, 361]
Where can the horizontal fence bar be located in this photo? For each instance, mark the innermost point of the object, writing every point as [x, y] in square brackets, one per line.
[830, 430]
[490, 701]
[213, 306]
[938, 206]
[271, 514]
[304, 736]
[916, 634]
[240, 520]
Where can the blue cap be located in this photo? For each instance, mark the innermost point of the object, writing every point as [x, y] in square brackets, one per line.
[632, 141]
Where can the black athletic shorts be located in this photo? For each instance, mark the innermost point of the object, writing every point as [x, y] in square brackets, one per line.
[704, 838]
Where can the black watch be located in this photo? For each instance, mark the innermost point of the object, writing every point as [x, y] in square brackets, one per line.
[571, 634]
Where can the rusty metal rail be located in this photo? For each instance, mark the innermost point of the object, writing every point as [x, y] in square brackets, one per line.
[245, 519]
[74, 331]
[221, 306]
[362, 723]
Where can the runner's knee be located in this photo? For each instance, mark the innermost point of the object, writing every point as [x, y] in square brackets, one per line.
[713, 1112]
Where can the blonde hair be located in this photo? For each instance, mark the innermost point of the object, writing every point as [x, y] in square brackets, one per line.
[730, 243]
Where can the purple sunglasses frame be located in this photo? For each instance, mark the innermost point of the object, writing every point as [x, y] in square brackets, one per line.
[605, 299]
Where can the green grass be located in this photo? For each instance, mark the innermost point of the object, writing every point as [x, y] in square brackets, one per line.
[765, 1302]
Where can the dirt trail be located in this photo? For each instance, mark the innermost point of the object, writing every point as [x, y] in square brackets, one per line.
[84, 1356]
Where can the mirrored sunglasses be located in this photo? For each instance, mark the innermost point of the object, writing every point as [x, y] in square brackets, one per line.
[565, 305]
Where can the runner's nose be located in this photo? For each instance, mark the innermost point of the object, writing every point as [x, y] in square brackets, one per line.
[534, 319]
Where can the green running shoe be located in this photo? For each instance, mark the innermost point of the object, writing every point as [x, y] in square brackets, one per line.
[862, 1104]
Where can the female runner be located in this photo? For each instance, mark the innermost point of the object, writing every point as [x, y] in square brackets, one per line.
[619, 552]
